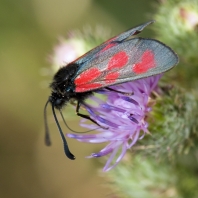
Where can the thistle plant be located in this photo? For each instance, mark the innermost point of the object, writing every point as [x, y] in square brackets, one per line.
[125, 117]
[177, 26]
[164, 164]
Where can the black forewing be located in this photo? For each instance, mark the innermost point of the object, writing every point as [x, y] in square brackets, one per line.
[163, 56]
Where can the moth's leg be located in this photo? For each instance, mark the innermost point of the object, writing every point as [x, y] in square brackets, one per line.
[86, 116]
[124, 93]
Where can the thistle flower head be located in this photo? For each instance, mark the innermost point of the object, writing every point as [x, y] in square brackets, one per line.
[66, 51]
[190, 17]
[124, 116]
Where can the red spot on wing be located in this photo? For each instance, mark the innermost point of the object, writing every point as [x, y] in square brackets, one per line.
[111, 78]
[87, 76]
[108, 46]
[87, 87]
[119, 60]
[147, 62]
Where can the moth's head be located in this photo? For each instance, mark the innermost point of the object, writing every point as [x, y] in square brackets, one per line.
[58, 100]
[59, 86]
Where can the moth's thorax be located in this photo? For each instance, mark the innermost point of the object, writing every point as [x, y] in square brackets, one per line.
[62, 86]
[63, 79]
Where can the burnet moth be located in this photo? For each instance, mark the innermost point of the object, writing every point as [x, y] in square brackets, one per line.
[122, 58]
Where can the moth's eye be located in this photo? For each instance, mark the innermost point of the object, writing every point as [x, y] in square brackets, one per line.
[68, 89]
[58, 102]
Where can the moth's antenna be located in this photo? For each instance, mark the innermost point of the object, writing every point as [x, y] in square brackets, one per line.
[47, 135]
[66, 148]
[72, 129]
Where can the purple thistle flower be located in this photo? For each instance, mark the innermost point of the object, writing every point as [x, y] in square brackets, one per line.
[123, 115]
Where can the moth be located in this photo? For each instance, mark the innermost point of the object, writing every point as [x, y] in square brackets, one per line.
[120, 59]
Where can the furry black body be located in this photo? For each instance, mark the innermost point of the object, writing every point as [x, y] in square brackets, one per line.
[63, 87]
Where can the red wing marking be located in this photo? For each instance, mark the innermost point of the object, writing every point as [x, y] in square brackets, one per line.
[87, 87]
[107, 47]
[87, 76]
[119, 60]
[147, 62]
[111, 77]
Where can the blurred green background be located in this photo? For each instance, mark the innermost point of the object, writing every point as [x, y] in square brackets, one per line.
[28, 32]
